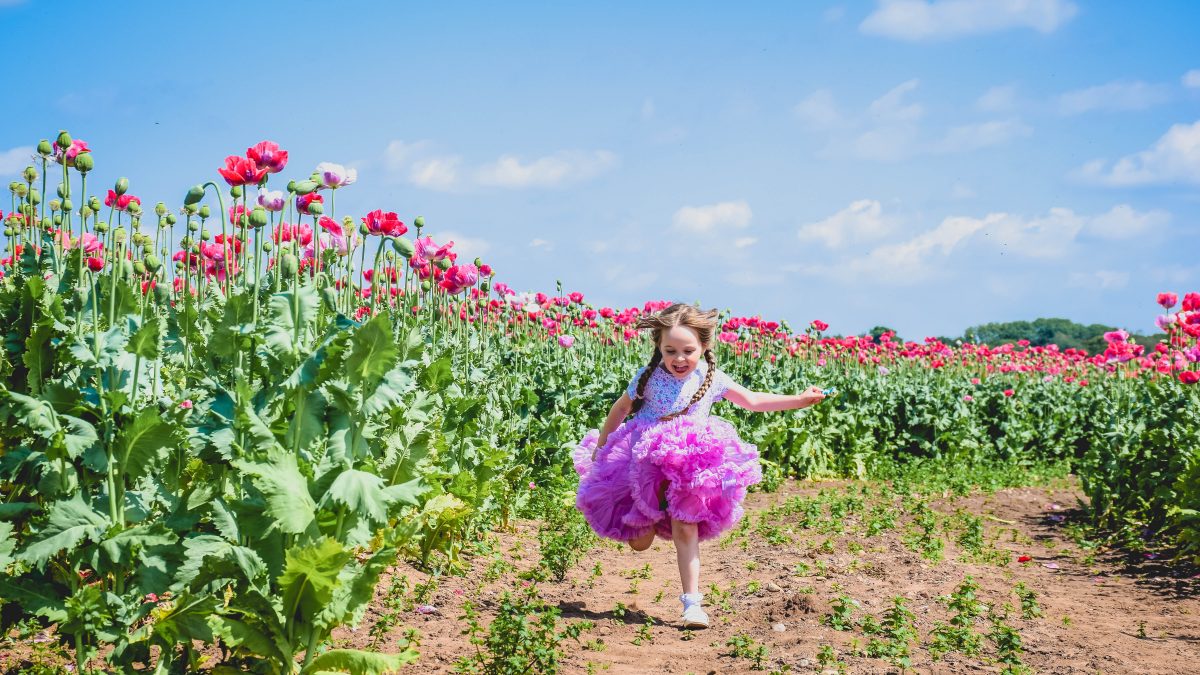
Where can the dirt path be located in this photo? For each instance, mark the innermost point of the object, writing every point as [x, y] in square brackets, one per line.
[771, 584]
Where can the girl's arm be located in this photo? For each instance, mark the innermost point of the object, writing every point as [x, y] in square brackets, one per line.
[758, 401]
[617, 414]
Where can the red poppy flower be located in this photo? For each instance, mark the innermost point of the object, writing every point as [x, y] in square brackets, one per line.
[242, 171]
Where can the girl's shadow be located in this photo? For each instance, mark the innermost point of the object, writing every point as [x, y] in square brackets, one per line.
[577, 609]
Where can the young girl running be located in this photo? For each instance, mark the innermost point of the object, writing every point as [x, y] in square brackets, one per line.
[673, 470]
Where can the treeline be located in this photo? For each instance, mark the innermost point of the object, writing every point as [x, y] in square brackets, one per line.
[1040, 332]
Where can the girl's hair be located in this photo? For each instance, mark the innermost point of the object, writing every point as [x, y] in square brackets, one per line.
[678, 314]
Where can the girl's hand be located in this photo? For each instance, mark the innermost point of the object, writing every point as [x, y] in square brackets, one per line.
[600, 443]
[813, 395]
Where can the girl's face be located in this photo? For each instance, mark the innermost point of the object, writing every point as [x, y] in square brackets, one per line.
[681, 351]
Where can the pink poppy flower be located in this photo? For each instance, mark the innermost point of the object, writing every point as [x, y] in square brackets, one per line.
[120, 202]
[303, 201]
[1167, 300]
[459, 278]
[384, 224]
[268, 156]
[819, 326]
[566, 341]
[1009, 392]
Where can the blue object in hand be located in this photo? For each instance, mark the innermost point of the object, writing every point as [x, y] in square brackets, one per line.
[827, 392]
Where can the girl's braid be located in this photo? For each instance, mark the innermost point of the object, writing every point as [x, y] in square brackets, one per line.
[708, 377]
[639, 401]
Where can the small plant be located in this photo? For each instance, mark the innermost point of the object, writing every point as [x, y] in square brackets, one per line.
[659, 596]
[923, 538]
[753, 587]
[563, 538]
[1008, 647]
[742, 647]
[841, 615]
[1141, 631]
[720, 598]
[644, 635]
[523, 637]
[395, 604]
[895, 633]
[620, 610]
[1030, 609]
[828, 658]
[751, 565]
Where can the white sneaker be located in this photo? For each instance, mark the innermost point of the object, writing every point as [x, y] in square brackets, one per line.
[695, 617]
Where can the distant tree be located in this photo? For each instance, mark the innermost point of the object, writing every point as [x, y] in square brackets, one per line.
[880, 330]
[1041, 332]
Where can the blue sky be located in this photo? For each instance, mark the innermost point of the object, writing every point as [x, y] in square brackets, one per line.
[924, 164]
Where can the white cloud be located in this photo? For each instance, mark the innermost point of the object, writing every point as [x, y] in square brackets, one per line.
[623, 278]
[905, 262]
[818, 110]
[861, 221]
[916, 20]
[892, 106]
[1123, 222]
[417, 163]
[1191, 79]
[1103, 279]
[1114, 96]
[743, 242]
[746, 277]
[982, 135]
[1174, 158]
[510, 171]
[998, 99]
[1047, 236]
[541, 244]
[15, 160]
[467, 248]
[703, 219]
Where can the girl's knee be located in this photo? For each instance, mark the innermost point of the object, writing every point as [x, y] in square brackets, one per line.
[642, 543]
[684, 531]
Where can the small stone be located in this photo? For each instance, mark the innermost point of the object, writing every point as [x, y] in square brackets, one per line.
[804, 663]
[778, 627]
[773, 587]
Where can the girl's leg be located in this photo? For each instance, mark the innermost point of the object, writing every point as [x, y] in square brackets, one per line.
[643, 542]
[687, 552]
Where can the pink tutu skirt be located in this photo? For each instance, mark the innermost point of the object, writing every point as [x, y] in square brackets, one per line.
[707, 469]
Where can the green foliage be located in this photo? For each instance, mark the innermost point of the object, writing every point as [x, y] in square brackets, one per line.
[741, 646]
[524, 636]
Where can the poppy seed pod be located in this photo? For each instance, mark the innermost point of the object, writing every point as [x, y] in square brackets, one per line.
[55, 204]
[162, 223]
[160, 209]
[267, 246]
[235, 191]
[64, 140]
[44, 148]
[258, 216]
[186, 242]
[152, 263]
[205, 235]
[121, 186]
[205, 212]
[126, 268]
[35, 197]
[404, 247]
[443, 264]
[135, 208]
[30, 174]
[192, 226]
[478, 262]
[419, 222]
[364, 230]
[102, 227]
[162, 294]
[67, 205]
[302, 187]
[315, 209]
[57, 220]
[290, 264]
[119, 235]
[84, 162]
[425, 285]
[86, 211]
[63, 189]
[94, 204]
[22, 190]
[139, 267]
[172, 219]
[194, 195]
[330, 296]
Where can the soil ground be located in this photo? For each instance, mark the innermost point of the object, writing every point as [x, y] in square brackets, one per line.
[1101, 612]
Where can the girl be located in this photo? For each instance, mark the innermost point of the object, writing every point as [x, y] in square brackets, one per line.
[673, 470]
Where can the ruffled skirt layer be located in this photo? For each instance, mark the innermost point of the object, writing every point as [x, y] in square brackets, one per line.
[703, 465]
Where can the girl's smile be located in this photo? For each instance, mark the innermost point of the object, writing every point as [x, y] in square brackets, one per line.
[681, 351]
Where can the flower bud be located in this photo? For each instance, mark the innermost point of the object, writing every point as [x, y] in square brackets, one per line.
[425, 285]
[44, 148]
[160, 209]
[122, 186]
[205, 235]
[194, 195]
[172, 219]
[94, 204]
[485, 287]
[258, 216]
[67, 205]
[139, 267]
[30, 174]
[419, 222]
[363, 230]
[479, 262]
[404, 247]
[302, 187]
[290, 264]
[102, 227]
[64, 140]
[267, 246]
[205, 212]
[84, 162]
[235, 191]
[329, 295]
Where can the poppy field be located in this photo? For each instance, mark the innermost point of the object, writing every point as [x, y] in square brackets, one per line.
[224, 418]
